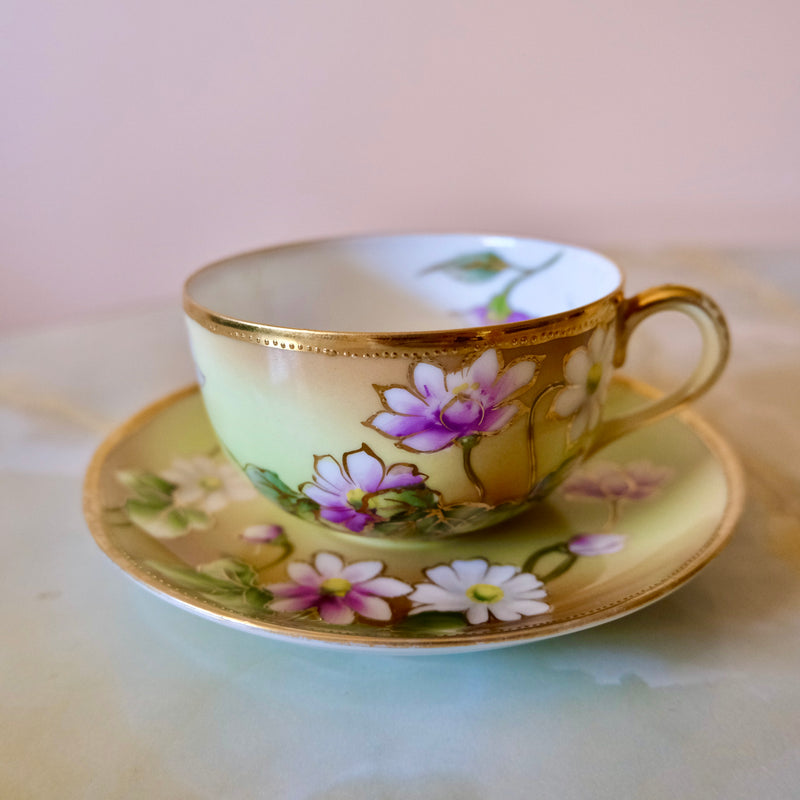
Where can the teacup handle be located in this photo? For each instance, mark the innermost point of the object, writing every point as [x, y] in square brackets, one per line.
[706, 314]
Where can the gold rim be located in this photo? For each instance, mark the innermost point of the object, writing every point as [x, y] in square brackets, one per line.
[392, 344]
[556, 626]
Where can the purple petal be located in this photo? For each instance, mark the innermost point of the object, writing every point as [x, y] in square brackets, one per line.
[396, 425]
[484, 370]
[364, 470]
[513, 379]
[498, 418]
[304, 574]
[429, 380]
[330, 475]
[401, 401]
[400, 475]
[325, 497]
[337, 513]
[335, 610]
[293, 604]
[369, 606]
[464, 416]
[431, 440]
[596, 544]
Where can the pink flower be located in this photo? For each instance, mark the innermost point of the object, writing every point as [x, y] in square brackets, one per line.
[605, 480]
[441, 407]
[262, 534]
[350, 493]
[336, 590]
[596, 544]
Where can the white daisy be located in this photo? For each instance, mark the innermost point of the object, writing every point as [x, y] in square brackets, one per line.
[588, 372]
[478, 590]
[209, 485]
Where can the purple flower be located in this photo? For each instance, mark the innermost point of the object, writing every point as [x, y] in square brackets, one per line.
[605, 480]
[441, 407]
[336, 590]
[262, 534]
[596, 544]
[350, 493]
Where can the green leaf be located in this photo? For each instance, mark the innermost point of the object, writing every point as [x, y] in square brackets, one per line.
[472, 267]
[433, 622]
[273, 488]
[228, 582]
[399, 503]
[229, 570]
[145, 510]
[147, 485]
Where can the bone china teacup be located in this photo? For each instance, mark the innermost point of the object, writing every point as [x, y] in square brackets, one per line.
[420, 386]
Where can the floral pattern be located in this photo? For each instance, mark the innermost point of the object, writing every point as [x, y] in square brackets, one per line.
[480, 590]
[359, 491]
[606, 480]
[336, 590]
[441, 408]
[588, 372]
[209, 485]
[485, 267]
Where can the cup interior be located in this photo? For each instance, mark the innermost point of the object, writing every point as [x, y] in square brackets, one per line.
[403, 283]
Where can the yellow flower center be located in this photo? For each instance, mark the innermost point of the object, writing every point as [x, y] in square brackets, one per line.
[485, 593]
[464, 386]
[338, 587]
[593, 378]
[210, 483]
[355, 498]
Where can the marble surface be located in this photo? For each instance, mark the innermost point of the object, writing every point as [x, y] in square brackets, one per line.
[109, 692]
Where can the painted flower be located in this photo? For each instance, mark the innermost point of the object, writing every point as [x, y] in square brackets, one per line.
[605, 480]
[478, 589]
[337, 590]
[596, 544]
[486, 315]
[442, 407]
[588, 372]
[262, 534]
[354, 493]
[210, 485]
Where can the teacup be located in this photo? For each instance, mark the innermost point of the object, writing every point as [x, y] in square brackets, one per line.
[421, 386]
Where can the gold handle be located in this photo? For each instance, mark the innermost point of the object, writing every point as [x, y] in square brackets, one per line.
[706, 314]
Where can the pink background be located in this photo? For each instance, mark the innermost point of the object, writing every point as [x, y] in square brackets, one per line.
[144, 138]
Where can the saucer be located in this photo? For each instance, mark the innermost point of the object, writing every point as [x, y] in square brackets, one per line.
[631, 525]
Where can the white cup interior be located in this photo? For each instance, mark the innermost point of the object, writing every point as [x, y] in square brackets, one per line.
[402, 283]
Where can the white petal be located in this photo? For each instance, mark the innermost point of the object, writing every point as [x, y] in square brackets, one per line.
[471, 572]
[498, 575]
[329, 565]
[568, 401]
[576, 370]
[477, 614]
[362, 571]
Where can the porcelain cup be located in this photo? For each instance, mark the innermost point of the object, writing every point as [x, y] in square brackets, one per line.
[421, 386]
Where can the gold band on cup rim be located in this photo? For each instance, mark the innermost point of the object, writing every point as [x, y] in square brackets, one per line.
[415, 344]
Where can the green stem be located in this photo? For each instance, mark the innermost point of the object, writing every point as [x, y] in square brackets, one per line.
[533, 559]
[531, 420]
[560, 569]
[468, 443]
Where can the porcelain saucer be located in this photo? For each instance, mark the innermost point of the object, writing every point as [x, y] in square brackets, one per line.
[631, 525]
